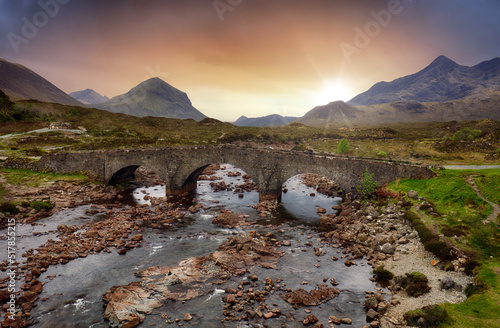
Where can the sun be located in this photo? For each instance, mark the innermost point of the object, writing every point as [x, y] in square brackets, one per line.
[333, 91]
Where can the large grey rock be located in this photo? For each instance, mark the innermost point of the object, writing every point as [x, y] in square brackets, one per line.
[412, 194]
[447, 283]
[371, 303]
[388, 248]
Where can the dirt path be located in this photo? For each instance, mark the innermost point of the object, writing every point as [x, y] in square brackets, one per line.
[496, 208]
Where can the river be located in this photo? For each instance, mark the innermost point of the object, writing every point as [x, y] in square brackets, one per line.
[72, 294]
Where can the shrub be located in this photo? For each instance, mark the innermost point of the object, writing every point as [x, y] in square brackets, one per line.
[466, 134]
[368, 186]
[417, 289]
[414, 283]
[343, 146]
[431, 241]
[8, 207]
[472, 289]
[382, 274]
[384, 193]
[382, 154]
[432, 316]
[458, 230]
[299, 147]
[470, 265]
[438, 248]
[41, 205]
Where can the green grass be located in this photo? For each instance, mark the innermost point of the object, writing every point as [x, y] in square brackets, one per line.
[461, 209]
[35, 179]
[3, 192]
[451, 194]
[488, 183]
[482, 309]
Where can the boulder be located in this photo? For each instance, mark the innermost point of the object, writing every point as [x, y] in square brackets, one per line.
[371, 303]
[447, 283]
[387, 248]
[371, 314]
[412, 194]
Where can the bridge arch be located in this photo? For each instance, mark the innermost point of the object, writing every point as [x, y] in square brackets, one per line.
[190, 177]
[128, 173]
[322, 184]
[124, 174]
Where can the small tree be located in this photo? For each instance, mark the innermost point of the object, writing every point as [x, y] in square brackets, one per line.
[368, 185]
[6, 107]
[343, 146]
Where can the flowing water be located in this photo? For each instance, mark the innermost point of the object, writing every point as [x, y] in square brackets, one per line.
[72, 295]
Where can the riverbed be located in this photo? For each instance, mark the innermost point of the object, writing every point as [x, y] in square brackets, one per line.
[72, 292]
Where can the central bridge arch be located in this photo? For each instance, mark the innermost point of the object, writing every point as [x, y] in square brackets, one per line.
[180, 167]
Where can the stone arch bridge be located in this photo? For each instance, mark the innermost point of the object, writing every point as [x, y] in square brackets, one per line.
[180, 167]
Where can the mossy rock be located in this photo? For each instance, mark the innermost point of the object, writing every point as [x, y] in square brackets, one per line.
[415, 283]
[428, 316]
[381, 274]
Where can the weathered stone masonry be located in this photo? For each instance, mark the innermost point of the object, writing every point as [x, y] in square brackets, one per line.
[269, 169]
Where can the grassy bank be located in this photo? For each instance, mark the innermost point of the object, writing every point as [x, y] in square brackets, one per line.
[456, 211]
[22, 177]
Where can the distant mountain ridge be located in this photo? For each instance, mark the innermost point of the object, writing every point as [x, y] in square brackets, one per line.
[269, 120]
[89, 97]
[153, 97]
[479, 106]
[21, 83]
[334, 112]
[442, 80]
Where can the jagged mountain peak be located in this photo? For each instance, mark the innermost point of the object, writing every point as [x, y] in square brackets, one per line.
[441, 80]
[154, 97]
[443, 61]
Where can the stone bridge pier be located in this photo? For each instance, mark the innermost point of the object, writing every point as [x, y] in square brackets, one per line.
[268, 168]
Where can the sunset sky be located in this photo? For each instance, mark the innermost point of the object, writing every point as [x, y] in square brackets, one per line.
[244, 57]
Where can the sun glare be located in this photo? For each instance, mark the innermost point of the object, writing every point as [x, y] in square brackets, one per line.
[333, 92]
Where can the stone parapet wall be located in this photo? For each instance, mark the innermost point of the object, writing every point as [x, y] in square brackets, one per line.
[269, 168]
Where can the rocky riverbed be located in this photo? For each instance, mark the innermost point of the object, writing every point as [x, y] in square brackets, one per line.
[251, 272]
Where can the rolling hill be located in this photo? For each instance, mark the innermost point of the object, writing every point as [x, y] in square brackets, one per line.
[21, 83]
[269, 120]
[89, 97]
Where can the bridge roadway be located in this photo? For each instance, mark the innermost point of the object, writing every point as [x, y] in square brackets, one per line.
[180, 167]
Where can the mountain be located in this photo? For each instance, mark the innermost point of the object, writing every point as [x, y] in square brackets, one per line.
[88, 97]
[269, 120]
[153, 97]
[442, 80]
[483, 104]
[20, 83]
[334, 113]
